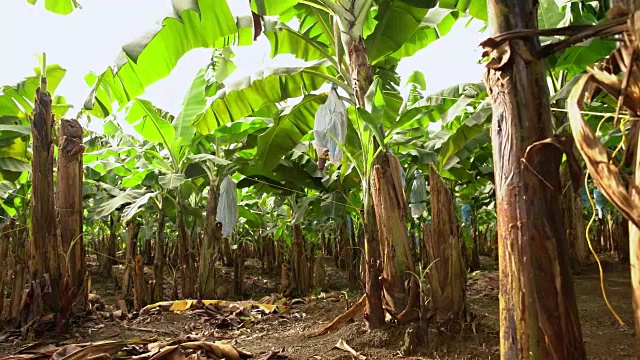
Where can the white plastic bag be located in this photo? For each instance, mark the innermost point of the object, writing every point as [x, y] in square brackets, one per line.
[228, 206]
[418, 198]
[331, 118]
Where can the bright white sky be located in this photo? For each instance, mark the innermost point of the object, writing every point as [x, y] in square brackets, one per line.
[89, 40]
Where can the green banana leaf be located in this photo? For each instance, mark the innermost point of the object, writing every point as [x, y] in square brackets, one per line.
[397, 21]
[194, 24]
[266, 87]
[286, 131]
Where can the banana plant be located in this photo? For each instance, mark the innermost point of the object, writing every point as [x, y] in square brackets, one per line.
[388, 30]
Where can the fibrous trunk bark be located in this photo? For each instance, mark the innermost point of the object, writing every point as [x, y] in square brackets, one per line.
[373, 314]
[133, 229]
[634, 232]
[5, 265]
[186, 259]
[573, 222]
[538, 312]
[139, 287]
[69, 207]
[447, 275]
[210, 245]
[389, 202]
[475, 248]
[107, 254]
[269, 253]
[353, 263]
[300, 264]
[361, 79]
[158, 264]
[45, 264]
[238, 269]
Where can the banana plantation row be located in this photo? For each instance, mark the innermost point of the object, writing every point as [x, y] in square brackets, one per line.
[328, 158]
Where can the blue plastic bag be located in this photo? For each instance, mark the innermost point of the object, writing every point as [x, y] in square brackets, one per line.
[466, 214]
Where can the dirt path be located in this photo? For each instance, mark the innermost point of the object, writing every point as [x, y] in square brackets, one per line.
[604, 338]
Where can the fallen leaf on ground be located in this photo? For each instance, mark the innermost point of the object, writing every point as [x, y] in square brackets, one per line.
[342, 345]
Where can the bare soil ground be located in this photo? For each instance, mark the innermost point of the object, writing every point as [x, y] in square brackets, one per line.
[604, 337]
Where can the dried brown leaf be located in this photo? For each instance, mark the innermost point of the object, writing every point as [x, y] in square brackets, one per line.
[220, 350]
[604, 174]
[342, 345]
[563, 143]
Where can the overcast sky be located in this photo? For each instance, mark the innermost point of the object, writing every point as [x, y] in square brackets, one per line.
[89, 40]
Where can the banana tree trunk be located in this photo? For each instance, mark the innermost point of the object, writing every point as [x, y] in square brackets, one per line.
[352, 257]
[300, 268]
[210, 245]
[475, 247]
[238, 269]
[133, 229]
[269, 253]
[20, 267]
[159, 259]
[45, 258]
[139, 287]
[186, 259]
[390, 208]
[447, 276]
[69, 207]
[362, 78]
[538, 312]
[373, 314]
[573, 222]
[634, 232]
[5, 265]
[107, 254]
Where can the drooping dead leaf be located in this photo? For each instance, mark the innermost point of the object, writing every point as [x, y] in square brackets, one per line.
[561, 143]
[499, 55]
[355, 310]
[344, 346]
[604, 174]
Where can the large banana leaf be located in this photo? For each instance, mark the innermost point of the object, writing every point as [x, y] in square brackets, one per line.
[149, 124]
[457, 141]
[577, 58]
[239, 130]
[287, 131]
[18, 100]
[285, 40]
[397, 21]
[271, 7]
[266, 87]
[16, 103]
[286, 178]
[436, 24]
[193, 104]
[549, 14]
[194, 24]
[62, 7]
[111, 205]
[446, 104]
[476, 8]
[315, 23]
